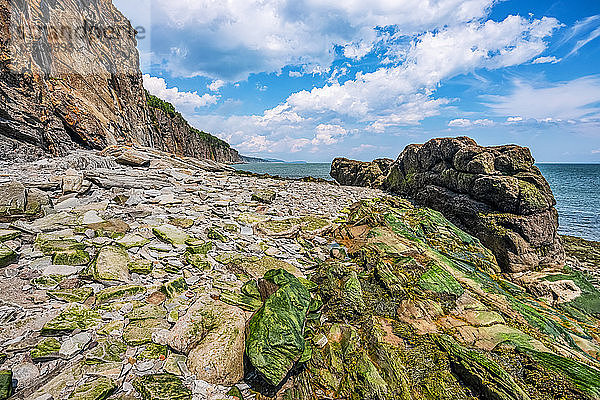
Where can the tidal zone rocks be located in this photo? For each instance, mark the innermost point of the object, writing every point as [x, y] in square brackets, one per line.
[495, 193]
[437, 320]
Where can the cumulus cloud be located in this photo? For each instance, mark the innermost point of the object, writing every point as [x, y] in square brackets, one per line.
[467, 123]
[328, 134]
[216, 85]
[186, 102]
[572, 100]
[230, 40]
[546, 60]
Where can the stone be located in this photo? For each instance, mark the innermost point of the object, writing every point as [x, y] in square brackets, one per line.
[74, 316]
[98, 388]
[6, 388]
[175, 287]
[264, 196]
[12, 199]
[45, 350]
[8, 234]
[74, 344]
[211, 334]
[112, 264]
[171, 234]
[147, 311]
[132, 240]
[161, 387]
[91, 217]
[7, 255]
[275, 333]
[496, 194]
[118, 292]
[77, 295]
[113, 228]
[357, 173]
[107, 351]
[74, 257]
[139, 332]
[216, 234]
[133, 158]
[72, 182]
[141, 267]
[26, 374]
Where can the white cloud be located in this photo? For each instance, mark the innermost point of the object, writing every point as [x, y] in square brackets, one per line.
[512, 120]
[546, 60]
[580, 43]
[403, 95]
[571, 100]
[596, 151]
[461, 123]
[467, 123]
[271, 34]
[216, 85]
[186, 102]
[328, 134]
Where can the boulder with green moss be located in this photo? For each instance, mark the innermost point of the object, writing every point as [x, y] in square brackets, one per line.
[161, 387]
[275, 334]
[74, 316]
[118, 292]
[6, 387]
[112, 264]
[45, 350]
[7, 255]
[171, 234]
[78, 295]
[98, 388]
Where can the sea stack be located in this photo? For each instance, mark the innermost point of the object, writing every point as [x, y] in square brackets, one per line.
[495, 193]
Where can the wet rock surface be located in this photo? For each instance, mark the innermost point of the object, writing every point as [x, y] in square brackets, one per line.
[495, 193]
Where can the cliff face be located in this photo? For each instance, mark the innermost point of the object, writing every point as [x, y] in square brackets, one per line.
[172, 133]
[69, 77]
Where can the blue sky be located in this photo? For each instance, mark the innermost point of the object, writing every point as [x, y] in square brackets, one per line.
[316, 79]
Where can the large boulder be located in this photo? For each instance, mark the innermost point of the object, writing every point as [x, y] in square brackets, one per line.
[212, 335]
[495, 193]
[358, 173]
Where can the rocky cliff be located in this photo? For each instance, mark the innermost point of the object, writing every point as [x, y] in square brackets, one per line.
[65, 81]
[495, 193]
[173, 134]
[70, 79]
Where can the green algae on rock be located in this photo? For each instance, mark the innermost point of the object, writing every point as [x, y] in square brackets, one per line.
[111, 264]
[264, 196]
[71, 257]
[107, 351]
[175, 287]
[275, 334]
[215, 234]
[7, 256]
[74, 316]
[6, 387]
[78, 295]
[97, 389]
[139, 332]
[171, 234]
[45, 350]
[118, 292]
[142, 267]
[161, 387]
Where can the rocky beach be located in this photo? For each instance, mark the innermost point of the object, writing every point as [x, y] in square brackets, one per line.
[135, 263]
[132, 273]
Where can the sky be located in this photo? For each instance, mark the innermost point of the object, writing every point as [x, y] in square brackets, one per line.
[317, 79]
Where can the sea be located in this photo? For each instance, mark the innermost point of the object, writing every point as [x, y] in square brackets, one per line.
[576, 188]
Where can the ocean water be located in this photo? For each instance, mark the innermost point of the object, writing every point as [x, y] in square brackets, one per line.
[575, 186]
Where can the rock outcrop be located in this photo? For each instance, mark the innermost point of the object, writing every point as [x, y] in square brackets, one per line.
[495, 193]
[359, 173]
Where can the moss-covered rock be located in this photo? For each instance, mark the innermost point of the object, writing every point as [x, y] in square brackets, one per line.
[74, 316]
[275, 335]
[45, 350]
[161, 387]
[153, 351]
[78, 295]
[264, 196]
[71, 257]
[97, 389]
[132, 240]
[6, 388]
[7, 256]
[112, 264]
[241, 300]
[216, 234]
[142, 267]
[171, 234]
[175, 287]
[139, 332]
[147, 311]
[114, 228]
[118, 292]
[107, 351]
[8, 234]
